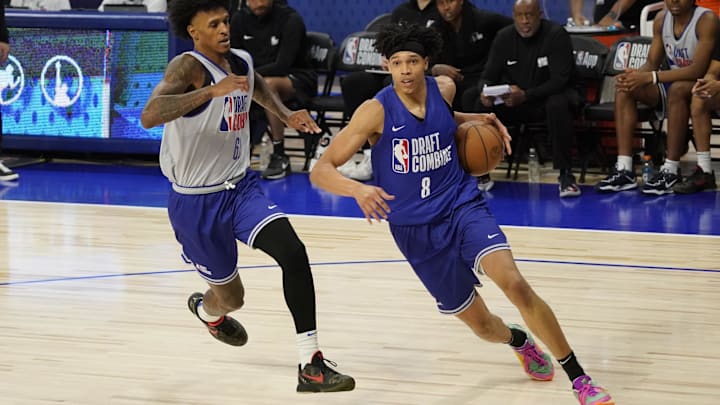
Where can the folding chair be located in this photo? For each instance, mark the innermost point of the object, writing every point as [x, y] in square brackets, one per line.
[356, 53]
[590, 56]
[627, 52]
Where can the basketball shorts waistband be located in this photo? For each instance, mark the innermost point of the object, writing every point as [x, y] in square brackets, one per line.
[226, 185]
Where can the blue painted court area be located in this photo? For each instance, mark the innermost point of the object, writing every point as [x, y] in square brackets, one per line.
[513, 203]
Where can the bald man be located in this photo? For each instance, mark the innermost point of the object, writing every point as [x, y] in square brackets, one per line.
[534, 56]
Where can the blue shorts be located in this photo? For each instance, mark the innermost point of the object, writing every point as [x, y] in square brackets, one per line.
[208, 225]
[446, 255]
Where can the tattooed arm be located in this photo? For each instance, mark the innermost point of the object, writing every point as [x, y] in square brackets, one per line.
[268, 99]
[183, 89]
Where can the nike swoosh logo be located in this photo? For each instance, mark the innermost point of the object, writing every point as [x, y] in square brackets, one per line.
[493, 235]
[272, 206]
[246, 37]
[317, 378]
[511, 62]
[395, 129]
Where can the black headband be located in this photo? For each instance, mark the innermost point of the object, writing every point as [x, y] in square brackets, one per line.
[411, 46]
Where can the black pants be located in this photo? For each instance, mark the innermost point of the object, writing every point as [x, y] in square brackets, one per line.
[357, 87]
[557, 112]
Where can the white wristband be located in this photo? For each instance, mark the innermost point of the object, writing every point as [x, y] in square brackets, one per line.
[655, 77]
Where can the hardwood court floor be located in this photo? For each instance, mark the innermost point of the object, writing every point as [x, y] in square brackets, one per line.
[92, 311]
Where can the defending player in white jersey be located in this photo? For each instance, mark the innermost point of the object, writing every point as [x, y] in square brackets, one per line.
[203, 100]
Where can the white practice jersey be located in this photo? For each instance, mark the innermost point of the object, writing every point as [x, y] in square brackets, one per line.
[210, 145]
[681, 51]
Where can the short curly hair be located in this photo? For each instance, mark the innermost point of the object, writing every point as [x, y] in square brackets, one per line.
[181, 12]
[393, 36]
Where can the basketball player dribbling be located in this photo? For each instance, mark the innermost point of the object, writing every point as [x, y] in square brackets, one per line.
[203, 100]
[437, 216]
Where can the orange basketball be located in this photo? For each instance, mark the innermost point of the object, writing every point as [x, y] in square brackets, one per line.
[480, 147]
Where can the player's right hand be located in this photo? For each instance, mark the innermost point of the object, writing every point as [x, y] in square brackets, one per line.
[231, 83]
[372, 201]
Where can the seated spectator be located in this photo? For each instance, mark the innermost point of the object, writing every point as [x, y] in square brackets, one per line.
[706, 99]
[467, 33]
[276, 37]
[535, 58]
[685, 35]
[618, 13]
[357, 87]
[420, 12]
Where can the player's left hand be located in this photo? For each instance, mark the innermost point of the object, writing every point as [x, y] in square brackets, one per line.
[704, 88]
[303, 122]
[492, 119]
[632, 79]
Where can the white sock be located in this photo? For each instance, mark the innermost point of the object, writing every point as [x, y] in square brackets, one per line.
[205, 316]
[624, 163]
[704, 161]
[670, 166]
[307, 345]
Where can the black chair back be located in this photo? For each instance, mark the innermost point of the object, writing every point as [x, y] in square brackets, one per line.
[357, 52]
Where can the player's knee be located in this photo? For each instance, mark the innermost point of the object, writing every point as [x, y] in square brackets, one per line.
[699, 106]
[298, 257]
[623, 97]
[293, 257]
[519, 292]
[675, 97]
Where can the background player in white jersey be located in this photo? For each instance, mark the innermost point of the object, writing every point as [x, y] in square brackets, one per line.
[203, 100]
[684, 34]
[437, 215]
[705, 101]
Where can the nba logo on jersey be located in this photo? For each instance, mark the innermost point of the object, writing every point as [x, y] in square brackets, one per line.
[235, 114]
[401, 156]
[351, 50]
[622, 54]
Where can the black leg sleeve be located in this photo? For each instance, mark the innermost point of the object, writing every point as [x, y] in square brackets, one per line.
[279, 240]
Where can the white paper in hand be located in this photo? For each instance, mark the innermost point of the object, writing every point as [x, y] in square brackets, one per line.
[497, 91]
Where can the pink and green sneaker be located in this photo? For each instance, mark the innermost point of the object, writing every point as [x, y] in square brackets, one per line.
[536, 363]
[589, 393]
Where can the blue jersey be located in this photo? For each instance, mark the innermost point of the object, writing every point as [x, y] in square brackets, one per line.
[416, 160]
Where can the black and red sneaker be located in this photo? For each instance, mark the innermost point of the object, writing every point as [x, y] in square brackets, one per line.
[317, 376]
[225, 329]
[697, 181]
